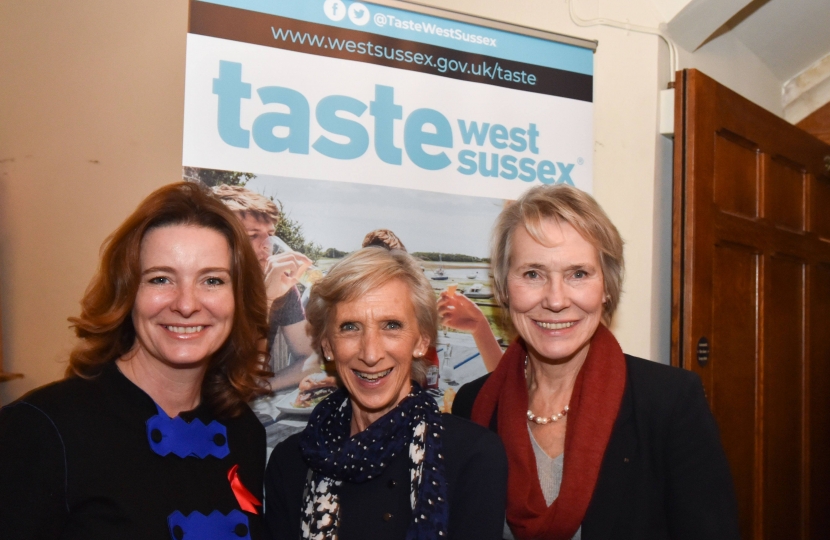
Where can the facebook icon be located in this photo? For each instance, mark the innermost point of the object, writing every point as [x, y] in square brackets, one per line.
[334, 9]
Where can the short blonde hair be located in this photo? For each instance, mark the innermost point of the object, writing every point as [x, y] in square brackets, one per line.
[242, 201]
[362, 271]
[574, 207]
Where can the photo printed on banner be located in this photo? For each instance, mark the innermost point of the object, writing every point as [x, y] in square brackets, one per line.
[317, 223]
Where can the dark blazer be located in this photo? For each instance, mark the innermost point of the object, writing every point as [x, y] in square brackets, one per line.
[476, 470]
[76, 464]
[664, 474]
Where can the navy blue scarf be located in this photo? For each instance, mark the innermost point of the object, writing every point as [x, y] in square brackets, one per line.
[414, 426]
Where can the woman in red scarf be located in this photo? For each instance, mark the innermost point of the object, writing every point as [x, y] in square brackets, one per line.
[600, 444]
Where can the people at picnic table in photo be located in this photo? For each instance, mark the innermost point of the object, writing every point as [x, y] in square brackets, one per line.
[150, 437]
[600, 444]
[282, 269]
[460, 313]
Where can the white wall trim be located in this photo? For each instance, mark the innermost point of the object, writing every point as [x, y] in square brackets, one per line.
[699, 19]
[807, 92]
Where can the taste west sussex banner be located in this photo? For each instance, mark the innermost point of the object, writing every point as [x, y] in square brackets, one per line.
[358, 117]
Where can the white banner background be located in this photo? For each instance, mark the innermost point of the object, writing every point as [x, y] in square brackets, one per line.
[565, 126]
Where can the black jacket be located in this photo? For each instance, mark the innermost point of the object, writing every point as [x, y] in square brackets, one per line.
[76, 463]
[476, 469]
[664, 474]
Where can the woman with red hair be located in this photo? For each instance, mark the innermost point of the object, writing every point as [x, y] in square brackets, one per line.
[150, 436]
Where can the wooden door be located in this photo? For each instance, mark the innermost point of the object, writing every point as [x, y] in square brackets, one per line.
[751, 299]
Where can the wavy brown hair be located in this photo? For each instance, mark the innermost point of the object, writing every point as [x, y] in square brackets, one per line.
[236, 372]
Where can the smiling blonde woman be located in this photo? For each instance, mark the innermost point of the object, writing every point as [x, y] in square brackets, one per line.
[377, 459]
[600, 444]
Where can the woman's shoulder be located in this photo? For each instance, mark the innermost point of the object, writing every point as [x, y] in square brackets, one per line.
[57, 397]
[465, 398]
[287, 454]
[659, 390]
[46, 414]
[247, 419]
[657, 377]
[476, 469]
[466, 439]
[287, 470]
[248, 430]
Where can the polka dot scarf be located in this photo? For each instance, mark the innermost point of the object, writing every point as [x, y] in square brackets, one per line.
[414, 426]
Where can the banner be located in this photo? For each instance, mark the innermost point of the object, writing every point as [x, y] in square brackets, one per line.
[365, 123]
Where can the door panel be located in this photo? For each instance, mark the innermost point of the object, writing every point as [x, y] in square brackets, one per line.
[732, 384]
[783, 395]
[736, 174]
[820, 212]
[784, 195]
[819, 404]
[751, 274]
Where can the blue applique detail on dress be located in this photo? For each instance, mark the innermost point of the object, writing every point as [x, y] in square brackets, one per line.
[215, 526]
[194, 439]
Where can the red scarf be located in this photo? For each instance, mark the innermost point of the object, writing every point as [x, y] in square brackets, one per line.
[593, 409]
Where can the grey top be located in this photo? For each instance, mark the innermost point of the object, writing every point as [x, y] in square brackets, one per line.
[549, 471]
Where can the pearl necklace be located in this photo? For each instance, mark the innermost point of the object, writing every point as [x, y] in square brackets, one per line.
[541, 420]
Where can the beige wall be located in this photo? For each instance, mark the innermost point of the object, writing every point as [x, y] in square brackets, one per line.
[91, 121]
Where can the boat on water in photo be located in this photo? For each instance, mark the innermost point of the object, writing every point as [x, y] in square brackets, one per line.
[477, 290]
[438, 274]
